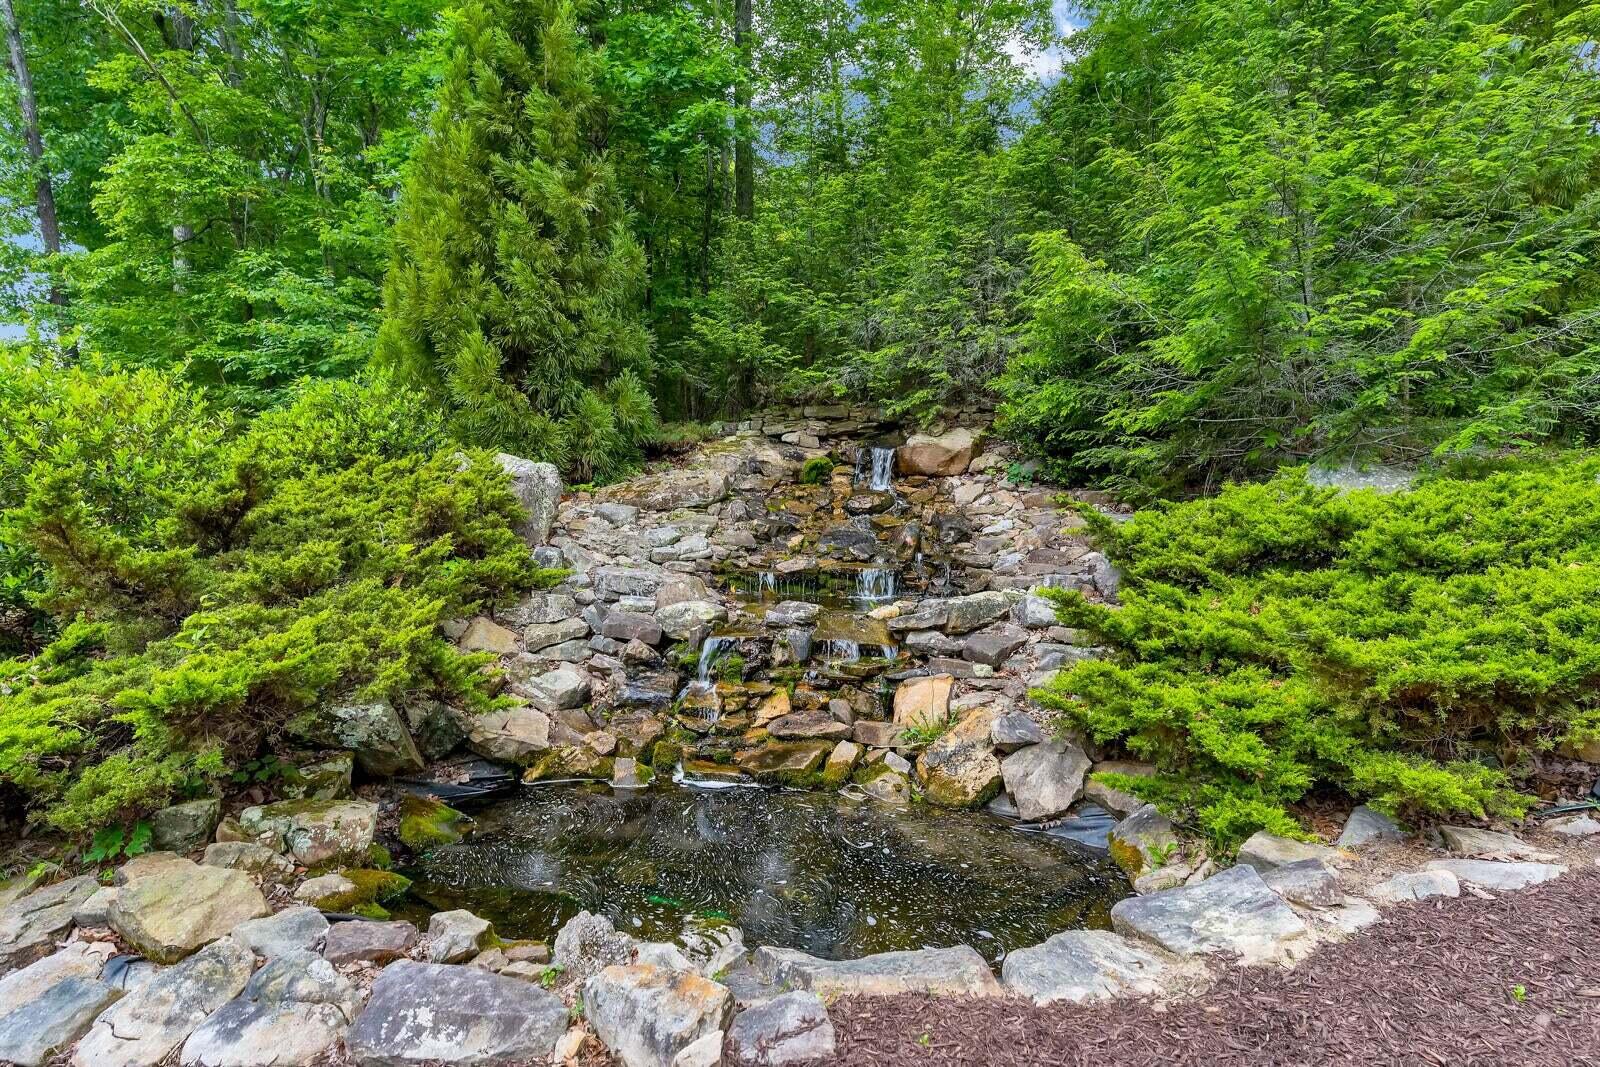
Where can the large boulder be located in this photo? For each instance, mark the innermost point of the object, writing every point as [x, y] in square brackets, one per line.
[1082, 966]
[291, 1012]
[1045, 780]
[923, 702]
[375, 731]
[143, 1028]
[314, 832]
[537, 487]
[429, 1012]
[959, 769]
[182, 907]
[646, 1015]
[35, 1033]
[960, 971]
[29, 924]
[790, 1028]
[1231, 912]
[518, 735]
[946, 455]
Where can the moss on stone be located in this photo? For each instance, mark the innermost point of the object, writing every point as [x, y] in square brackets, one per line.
[816, 470]
[425, 822]
[370, 890]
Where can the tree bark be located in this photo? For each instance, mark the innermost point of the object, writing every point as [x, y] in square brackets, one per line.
[744, 151]
[44, 193]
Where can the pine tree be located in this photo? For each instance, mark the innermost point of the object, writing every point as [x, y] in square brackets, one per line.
[512, 295]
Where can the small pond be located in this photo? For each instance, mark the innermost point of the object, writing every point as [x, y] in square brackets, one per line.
[835, 877]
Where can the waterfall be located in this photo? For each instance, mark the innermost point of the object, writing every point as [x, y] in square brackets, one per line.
[708, 654]
[874, 585]
[838, 650]
[875, 466]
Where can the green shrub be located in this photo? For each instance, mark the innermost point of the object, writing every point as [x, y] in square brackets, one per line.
[816, 470]
[1415, 650]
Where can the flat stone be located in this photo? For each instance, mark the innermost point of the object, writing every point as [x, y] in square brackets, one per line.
[646, 1015]
[1490, 845]
[841, 761]
[371, 942]
[422, 1012]
[1083, 966]
[315, 832]
[185, 827]
[1574, 826]
[291, 930]
[791, 1028]
[1233, 911]
[610, 583]
[79, 959]
[1014, 730]
[627, 774]
[1416, 885]
[1265, 851]
[1143, 840]
[945, 455]
[29, 924]
[792, 613]
[147, 1024]
[1306, 882]
[557, 690]
[631, 626]
[618, 515]
[806, 725]
[1366, 825]
[963, 614]
[247, 856]
[783, 761]
[959, 769]
[1045, 780]
[175, 911]
[1490, 874]
[705, 1051]
[994, 645]
[923, 702]
[36, 1032]
[542, 635]
[456, 936]
[486, 635]
[875, 734]
[291, 1012]
[960, 971]
[542, 608]
[323, 885]
[518, 735]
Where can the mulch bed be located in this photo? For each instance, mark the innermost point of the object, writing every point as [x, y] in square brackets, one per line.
[1509, 981]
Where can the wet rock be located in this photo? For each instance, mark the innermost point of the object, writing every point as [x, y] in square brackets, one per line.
[1083, 966]
[292, 1011]
[627, 774]
[945, 455]
[373, 942]
[959, 971]
[792, 613]
[646, 1015]
[456, 936]
[967, 613]
[537, 487]
[1233, 911]
[79, 959]
[791, 1028]
[1015, 730]
[959, 769]
[1490, 874]
[588, 943]
[923, 702]
[30, 923]
[144, 1027]
[426, 1012]
[1266, 852]
[1366, 825]
[1488, 844]
[315, 832]
[518, 735]
[290, 930]
[176, 910]
[1306, 882]
[1112, 799]
[841, 761]
[994, 645]
[783, 762]
[34, 1033]
[1045, 780]
[631, 626]
[885, 784]
[1143, 840]
[1416, 885]
[543, 635]
[486, 635]
[185, 827]
[807, 725]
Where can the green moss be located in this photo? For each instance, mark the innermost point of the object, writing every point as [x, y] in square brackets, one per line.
[664, 754]
[372, 889]
[379, 857]
[425, 822]
[816, 470]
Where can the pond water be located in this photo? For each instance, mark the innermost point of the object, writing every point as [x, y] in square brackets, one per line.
[835, 877]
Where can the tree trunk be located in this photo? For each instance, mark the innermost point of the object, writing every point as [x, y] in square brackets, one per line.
[44, 194]
[744, 152]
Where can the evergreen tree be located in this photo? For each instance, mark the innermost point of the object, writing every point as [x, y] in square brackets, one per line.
[512, 296]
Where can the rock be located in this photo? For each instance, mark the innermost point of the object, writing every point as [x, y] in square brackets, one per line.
[172, 912]
[427, 823]
[518, 735]
[486, 635]
[374, 942]
[959, 769]
[329, 779]
[946, 455]
[128, 973]
[923, 702]
[618, 515]
[790, 1028]
[249, 857]
[375, 732]
[1034, 612]
[1167, 876]
[185, 827]
[627, 774]
[791, 613]
[631, 626]
[1232, 911]
[1045, 780]
[806, 725]
[841, 761]
[542, 635]
[1306, 882]
[963, 614]
[537, 487]
[423, 1012]
[321, 887]
[1112, 799]
[646, 1015]
[959, 971]
[689, 620]
[1366, 825]
[292, 1011]
[1142, 840]
[994, 645]
[541, 609]
[1104, 574]
[79, 959]
[703, 1051]
[783, 762]
[29, 924]
[1350, 917]
[35, 1032]
[1416, 885]
[696, 487]
[1014, 730]
[1083, 966]
[587, 943]
[290, 930]
[1489, 874]
[315, 832]
[1574, 826]
[143, 1028]
[1488, 844]
[565, 687]
[612, 583]
[455, 936]
[876, 734]
[932, 643]
[147, 864]
[96, 911]
[1265, 852]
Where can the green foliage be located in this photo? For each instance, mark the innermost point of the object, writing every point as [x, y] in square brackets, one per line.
[815, 470]
[112, 843]
[1416, 649]
[216, 586]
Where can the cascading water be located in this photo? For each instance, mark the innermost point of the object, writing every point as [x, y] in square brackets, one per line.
[702, 692]
[874, 585]
[875, 466]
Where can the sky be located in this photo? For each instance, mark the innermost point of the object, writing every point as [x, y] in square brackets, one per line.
[1046, 65]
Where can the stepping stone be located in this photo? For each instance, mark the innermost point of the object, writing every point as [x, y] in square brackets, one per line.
[1082, 966]
[1265, 852]
[421, 1012]
[1416, 885]
[959, 970]
[294, 929]
[292, 1011]
[1366, 825]
[143, 1028]
[1489, 874]
[372, 942]
[36, 1032]
[1574, 826]
[792, 1028]
[646, 1015]
[1233, 911]
[174, 910]
[1490, 845]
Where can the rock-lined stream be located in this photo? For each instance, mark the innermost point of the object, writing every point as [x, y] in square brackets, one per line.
[835, 877]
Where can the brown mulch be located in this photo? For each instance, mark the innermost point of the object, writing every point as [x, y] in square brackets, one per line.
[1435, 983]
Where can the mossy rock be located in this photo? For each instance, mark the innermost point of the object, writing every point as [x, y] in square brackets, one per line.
[372, 890]
[791, 763]
[664, 754]
[576, 761]
[425, 822]
[816, 470]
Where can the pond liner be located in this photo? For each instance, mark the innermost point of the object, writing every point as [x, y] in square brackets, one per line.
[484, 781]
